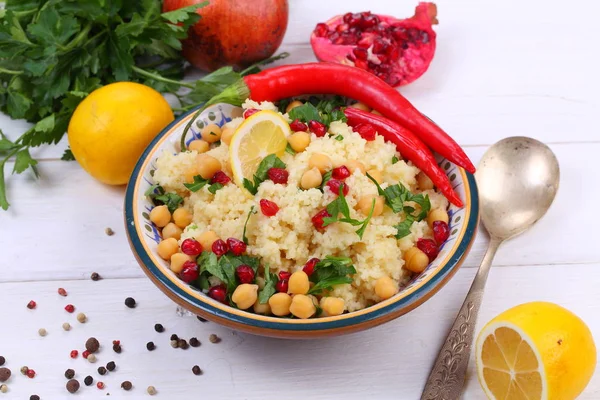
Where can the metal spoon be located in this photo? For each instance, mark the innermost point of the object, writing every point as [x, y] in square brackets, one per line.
[517, 180]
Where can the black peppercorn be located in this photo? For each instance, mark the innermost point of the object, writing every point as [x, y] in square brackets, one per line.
[2, 361]
[126, 385]
[102, 370]
[34, 397]
[159, 328]
[183, 344]
[88, 380]
[69, 374]
[196, 370]
[117, 348]
[214, 338]
[130, 302]
[96, 276]
[201, 319]
[150, 346]
[194, 342]
[111, 366]
[73, 385]
[92, 345]
[174, 337]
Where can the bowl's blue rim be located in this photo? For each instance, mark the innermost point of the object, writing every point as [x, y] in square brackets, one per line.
[329, 325]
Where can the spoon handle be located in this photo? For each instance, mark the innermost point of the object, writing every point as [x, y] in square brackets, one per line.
[447, 376]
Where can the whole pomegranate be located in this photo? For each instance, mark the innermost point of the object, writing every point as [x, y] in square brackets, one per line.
[233, 32]
[396, 50]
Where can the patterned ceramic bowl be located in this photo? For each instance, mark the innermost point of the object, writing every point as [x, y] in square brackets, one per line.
[144, 237]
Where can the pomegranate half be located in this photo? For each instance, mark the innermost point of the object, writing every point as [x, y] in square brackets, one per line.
[396, 50]
[233, 32]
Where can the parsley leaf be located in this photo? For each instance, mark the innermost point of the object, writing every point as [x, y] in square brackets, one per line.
[340, 206]
[208, 262]
[331, 271]
[252, 211]
[403, 228]
[325, 111]
[326, 178]
[214, 187]
[68, 156]
[171, 200]
[154, 190]
[270, 161]
[228, 269]
[339, 138]
[24, 161]
[199, 183]
[395, 160]
[269, 289]
[289, 150]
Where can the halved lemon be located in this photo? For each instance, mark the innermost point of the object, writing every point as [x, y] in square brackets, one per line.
[535, 351]
[260, 135]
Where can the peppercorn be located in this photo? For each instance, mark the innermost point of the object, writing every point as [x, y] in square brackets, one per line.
[66, 326]
[24, 370]
[194, 342]
[214, 338]
[2, 361]
[62, 292]
[85, 354]
[196, 370]
[73, 385]
[201, 319]
[183, 344]
[30, 373]
[100, 385]
[174, 337]
[31, 305]
[102, 370]
[5, 373]
[109, 232]
[126, 385]
[42, 332]
[111, 366]
[34, 397]
[174, 344]
[70, 308]
[69, 374]
[159, 328]
[117, 348]
[151, 390]
[150, 346]
[92, 345]
[130, 302]
[81, 317]
[88, 380]
[3, 388]
[91, 358]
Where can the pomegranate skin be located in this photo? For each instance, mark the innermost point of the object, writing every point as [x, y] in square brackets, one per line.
[233, 32]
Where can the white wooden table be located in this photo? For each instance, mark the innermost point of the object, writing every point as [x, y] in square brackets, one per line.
[502, 68]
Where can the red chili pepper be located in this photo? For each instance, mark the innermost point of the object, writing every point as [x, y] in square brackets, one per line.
[409, 146]
[324, 78]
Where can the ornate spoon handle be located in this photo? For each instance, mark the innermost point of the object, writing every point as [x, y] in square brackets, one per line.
[447, 376]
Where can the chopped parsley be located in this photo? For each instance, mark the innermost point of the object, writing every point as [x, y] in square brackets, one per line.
[270, 161]
[325, 111]
[214, 187]
[269, 289]
[199, 183]
[339, 138]
[395, 160]
[331, 271]
[224, 267]
[157, 194]
[289, 150]
[340, 206]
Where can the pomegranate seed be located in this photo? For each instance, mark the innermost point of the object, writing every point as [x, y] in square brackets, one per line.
[441, 231]
[245, 273]
[334, 186]
[116, 342]
[310, 265]
[341, 28]
[278, 175]
[69, 308]
[321, 30]
[100, 385]
[341, 172]
[347, 17]
[219, 247]
[220, 177]
[298, 126]
[74, 353]
[31, 305]
[369, 20]
[366, 131]
[348, 38]
[85, 354]
[284, 275]
[335, 38]
[379, 46]
[191, 247]
[317, 128]
[428, 247]
[218, 293]
[250, 111]
[362, 64]
[360, 53]
[30, 373]
[62, 292]
[189, 272]
[317, 220]
[282, 286]
[268, 208]
[237, 247]
[355, 19]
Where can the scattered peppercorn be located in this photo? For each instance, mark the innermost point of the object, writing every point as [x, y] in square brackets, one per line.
[74, 353]
[130, 302]
[69, 374]
[30, 373]
[69, 308]
[66, 326]
[194, 342]
[214, 338]
[183, 344]
[100, 385]
[31, 305]
[151, 390]
[111, 366]
[109, 232]
[174, 344]
[3, 388]
[81, 317]
[91, 358]
[42, 332]
[62, 292]
[88, 380]
[2, 361]
[150, 346]
[34, 397]
[85, 354]
[5, 373]
[96, 276]
[159, 328]
[174, 337]
[24, 370]
[73, 385]
[201, 319]
[117, 348]
[126, 385]
[102, 370]
[196, 370]
[92, 345]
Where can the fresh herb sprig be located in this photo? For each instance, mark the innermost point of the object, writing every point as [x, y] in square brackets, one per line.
[269, 289]
[270, 161]
[331, 271]
[340, 206]
[157, 194]
[325, 111]
[252, 211]
[224, 267]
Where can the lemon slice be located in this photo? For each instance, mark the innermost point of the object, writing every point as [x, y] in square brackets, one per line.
[260, 135]
[535, 351]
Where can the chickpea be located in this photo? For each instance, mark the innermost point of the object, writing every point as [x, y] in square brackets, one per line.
[245, 295]
[302, 306]
[199, 145]
[366, 202]
[263, 309]
[298, 283]
[177, 261]
[299, 141]
[211, 133]
[415, 260]
[182, 217]
[376, 174]
[227, 135]
[321, 162]
[361, 106]
[376, 113]
[437, 214]
[160, 215]
[385, 287]
[353, 165]
[424, 182]
[166, 248]
[190, 174]
[292, 105]
[311, 179]
[207, 165]
[280, 304]
[332, 306]
[171, 231]
[207, 239]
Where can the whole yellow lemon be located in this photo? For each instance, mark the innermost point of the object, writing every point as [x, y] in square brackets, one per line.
[112, 126]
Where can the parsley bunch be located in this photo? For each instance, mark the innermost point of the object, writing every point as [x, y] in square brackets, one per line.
[321, 110]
